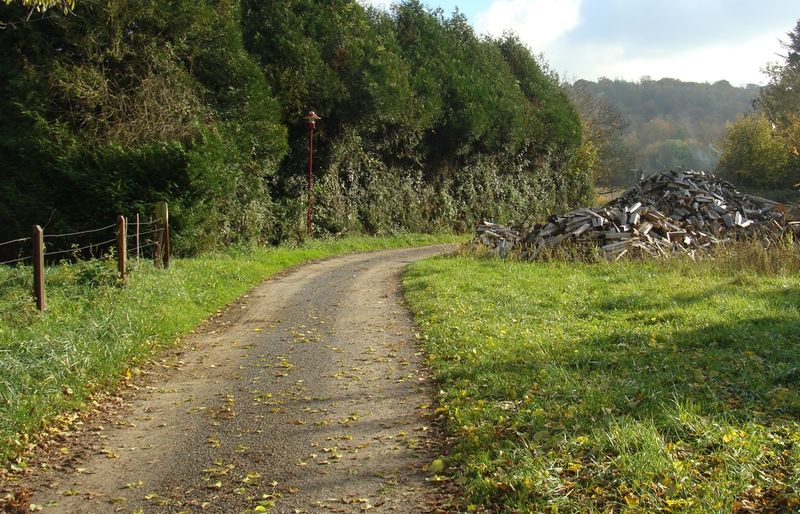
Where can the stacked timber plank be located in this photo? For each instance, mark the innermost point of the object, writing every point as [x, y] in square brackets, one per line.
[501, 239]
[680, 211]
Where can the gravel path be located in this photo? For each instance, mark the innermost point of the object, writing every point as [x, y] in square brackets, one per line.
[307, 395]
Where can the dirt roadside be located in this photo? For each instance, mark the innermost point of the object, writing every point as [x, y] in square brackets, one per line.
[309, 394]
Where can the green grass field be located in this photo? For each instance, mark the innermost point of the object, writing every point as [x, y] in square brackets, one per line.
[93, 331]
[625, 387]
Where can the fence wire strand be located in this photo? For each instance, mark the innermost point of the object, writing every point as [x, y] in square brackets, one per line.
[20, 240]
[153, 243]
[12, 261]
[133, 235]
[94, 230]
[74, 250]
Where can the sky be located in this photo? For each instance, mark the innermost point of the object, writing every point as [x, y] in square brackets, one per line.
[690, 40]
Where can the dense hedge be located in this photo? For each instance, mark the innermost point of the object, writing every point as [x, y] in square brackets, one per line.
[426, 126]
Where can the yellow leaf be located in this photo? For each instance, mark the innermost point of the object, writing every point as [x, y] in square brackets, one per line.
[631, 499]
[575, 467]
[251, 477]
[436, 466]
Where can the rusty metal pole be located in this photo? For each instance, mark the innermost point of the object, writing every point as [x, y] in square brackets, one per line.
[310, 178]
[311, 118]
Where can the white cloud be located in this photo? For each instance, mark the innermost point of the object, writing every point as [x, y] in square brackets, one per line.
[539, 23]
[738, 63]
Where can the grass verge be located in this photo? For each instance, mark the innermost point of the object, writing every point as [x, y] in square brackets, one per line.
[621, 387]
[93, 330]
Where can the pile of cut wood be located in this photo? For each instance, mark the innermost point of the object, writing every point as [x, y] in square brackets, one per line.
[670, 212]
[501, 239]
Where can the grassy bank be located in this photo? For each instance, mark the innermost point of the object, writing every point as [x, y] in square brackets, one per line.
[638, 387]
[93, 331]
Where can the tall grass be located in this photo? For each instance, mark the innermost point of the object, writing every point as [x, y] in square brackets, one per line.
[94, 330]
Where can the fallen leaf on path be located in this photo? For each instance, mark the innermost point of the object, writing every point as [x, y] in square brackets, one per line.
[436, 466]
[250, 477]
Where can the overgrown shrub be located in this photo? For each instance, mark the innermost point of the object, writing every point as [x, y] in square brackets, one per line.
[426, 125]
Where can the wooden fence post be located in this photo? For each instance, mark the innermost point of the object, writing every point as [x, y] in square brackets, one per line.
[122, 245]
[38, 267]
[162, 248]
[138, 251]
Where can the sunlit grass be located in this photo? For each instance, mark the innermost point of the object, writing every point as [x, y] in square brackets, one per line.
[93, 330]
[646, 387]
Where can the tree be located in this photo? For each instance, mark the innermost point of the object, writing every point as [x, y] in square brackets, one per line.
[780, 99]
[43, 5]
[602, 126]
[556, 120]
[764, 150]
[28, 7]
[754, 154]
[427, 125]
[130, 102]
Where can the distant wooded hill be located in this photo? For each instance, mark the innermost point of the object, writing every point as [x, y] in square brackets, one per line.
[670, 122]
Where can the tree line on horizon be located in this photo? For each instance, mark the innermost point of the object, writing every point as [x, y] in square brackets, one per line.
[749, 135]
[651, 125]
[426, 125]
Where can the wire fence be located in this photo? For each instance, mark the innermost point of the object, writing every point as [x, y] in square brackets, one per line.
[14, 261]
[128, 240]
[20, 240]
[78, 250]
[147, 233]
[19, 256]
[82, 232]
[80, 247]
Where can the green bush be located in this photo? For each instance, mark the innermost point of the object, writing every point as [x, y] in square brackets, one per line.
[426, 126]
